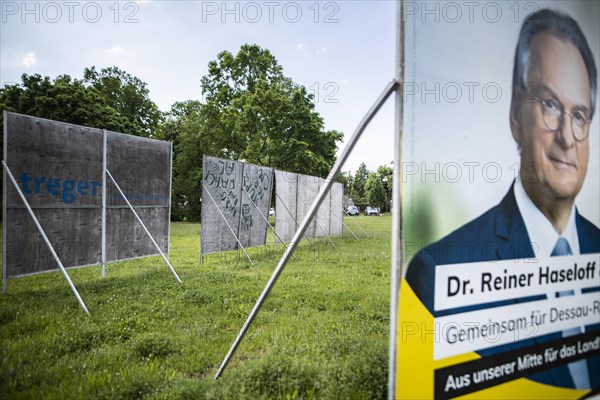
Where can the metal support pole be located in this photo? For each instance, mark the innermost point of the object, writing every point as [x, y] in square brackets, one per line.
[4, 200]
[229, 226]
[41, 230]
[350, 216]
[317, 222]
[170, 196]
[270, 199]
[104, 168]
[143, 226]
[296, 222]
[396, 261]
[389, 89]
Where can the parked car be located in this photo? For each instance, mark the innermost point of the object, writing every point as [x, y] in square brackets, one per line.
[353, 210]
[371, 211]
[271, 211]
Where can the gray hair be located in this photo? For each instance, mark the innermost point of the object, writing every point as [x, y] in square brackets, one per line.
[563, 27]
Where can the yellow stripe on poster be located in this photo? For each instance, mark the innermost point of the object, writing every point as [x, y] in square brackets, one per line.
[415, 336]
[415, 367]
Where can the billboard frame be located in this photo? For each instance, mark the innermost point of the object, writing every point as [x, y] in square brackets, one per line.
[397, 234]
[7, 173]
[4, 193]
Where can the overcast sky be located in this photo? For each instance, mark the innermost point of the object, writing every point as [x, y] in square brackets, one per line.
[342, 51]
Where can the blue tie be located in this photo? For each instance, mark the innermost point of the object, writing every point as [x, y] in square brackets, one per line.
[561, 248]
[578, 369]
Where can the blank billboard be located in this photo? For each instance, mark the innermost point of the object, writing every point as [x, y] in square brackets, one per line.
[58, 168]
[294, 195]
[142, 168]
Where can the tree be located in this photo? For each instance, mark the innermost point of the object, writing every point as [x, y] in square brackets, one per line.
[129, 96]
[358, 183]
[110, 99]
[177, 119]
[255, 113]
[251, 112]
[345, 178]
[63, 99]
[386, 175]
[375, 192]
[182, 126]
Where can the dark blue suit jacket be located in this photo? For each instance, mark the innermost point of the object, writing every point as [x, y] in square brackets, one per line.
[498, 234]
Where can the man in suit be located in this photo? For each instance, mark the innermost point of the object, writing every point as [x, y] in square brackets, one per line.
[554, 83]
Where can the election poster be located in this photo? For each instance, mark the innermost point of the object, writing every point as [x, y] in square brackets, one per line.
[500, 290]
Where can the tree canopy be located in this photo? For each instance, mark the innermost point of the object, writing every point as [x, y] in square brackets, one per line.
[375, 192]
[358, 182]
[367, 188]
[251, 112]
[183, 127]
[62, 99]
[257, 114]
[128, 96]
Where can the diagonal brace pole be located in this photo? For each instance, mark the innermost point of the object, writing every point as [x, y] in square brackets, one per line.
[143, 226]
[389, 89]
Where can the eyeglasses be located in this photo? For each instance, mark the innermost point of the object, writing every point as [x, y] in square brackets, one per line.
[553, 114]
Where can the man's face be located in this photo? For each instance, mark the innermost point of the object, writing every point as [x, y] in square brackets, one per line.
[553, 163]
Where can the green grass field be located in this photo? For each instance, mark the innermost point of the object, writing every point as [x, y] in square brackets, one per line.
[322, 333]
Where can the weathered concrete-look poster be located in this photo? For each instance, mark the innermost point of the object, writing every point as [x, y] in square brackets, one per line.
[336, 197]
[234, 195]
[322, 219]
[58, 168]
[142, 169]
[221, 204]
[286, 188]
[256, 199]
[308, 188]
[295, 194]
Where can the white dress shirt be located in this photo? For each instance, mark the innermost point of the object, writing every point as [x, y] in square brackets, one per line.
[541, 232]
